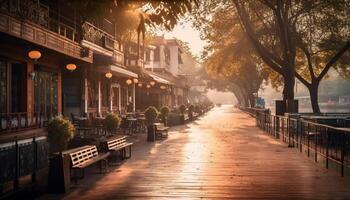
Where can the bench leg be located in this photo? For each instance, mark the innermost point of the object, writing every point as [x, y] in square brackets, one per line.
[129, 151]
[103, 165]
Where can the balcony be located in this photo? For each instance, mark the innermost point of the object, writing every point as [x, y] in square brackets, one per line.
[32, 21]
[98, 39]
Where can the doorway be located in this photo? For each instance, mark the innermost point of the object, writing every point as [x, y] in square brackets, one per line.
[45, 93]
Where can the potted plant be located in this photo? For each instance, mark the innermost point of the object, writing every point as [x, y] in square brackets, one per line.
[112, 122]
[165, 112]
[190, 112]
[151, 115]
[60, 131]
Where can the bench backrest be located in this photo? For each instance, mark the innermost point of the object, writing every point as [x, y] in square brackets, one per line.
[83, 154]
[114, 143]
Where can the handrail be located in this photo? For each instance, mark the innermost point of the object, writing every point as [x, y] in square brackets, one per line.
[315, 138]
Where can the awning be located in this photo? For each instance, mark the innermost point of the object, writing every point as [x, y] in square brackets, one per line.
[159, 79]
[119, 71]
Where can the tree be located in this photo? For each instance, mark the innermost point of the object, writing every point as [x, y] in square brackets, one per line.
[287, 40]
[230, 56]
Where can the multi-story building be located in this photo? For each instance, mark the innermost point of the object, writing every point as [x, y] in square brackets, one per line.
[163, 59]
[52, 62]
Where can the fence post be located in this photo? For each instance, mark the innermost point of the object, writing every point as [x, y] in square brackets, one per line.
[327, 147]
[342, 154]
[316, 138]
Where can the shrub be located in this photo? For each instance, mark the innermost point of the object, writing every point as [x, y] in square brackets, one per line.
[112, 122]
[182, 109]
[151, 114]
[165, 111]
[60, 131]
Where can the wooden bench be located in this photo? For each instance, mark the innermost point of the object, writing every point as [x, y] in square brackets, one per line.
[85, 156]
[161, 130]
[117, 144]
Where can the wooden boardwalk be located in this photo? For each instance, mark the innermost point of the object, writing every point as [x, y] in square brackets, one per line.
[222, 155]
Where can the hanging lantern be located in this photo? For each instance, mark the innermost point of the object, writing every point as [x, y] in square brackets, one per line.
[108, 75]
[34, 54]
[135, 80]
[140, 84]
[152, 83]
[162, 87]
[129, 81]
[148, 86]
[71, 67]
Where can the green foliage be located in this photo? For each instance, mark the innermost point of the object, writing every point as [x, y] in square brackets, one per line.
[112, 122]
[182, 109]
[151, 114]
[60, 131]
[165, 111]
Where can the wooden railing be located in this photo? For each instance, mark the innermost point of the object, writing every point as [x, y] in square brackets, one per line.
[22, 154]
[13, 122]
[322, 142]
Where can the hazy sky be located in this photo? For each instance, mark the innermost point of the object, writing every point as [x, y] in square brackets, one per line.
[185, 32]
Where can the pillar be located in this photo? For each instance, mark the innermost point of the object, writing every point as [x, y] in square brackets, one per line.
[30, 88]
[133, 97]
[99, 96]
[85, 92]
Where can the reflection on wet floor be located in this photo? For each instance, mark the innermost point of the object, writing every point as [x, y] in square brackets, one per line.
[221, 155]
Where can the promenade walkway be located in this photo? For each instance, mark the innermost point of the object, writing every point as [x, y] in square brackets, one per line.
[221, 155]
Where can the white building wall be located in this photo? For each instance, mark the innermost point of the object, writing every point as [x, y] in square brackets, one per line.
[174, 60]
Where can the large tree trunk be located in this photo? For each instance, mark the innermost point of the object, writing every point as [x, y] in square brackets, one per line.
[251, 100]
[313, 90]
[288, 88]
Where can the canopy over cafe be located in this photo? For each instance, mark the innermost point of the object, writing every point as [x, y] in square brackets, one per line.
[52, 63]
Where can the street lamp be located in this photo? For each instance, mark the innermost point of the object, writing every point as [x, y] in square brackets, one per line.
[152, 83]
[34, 54]
[162, 87]
[71, 67]
[108, 75]
[129, 82]
[148, 86]
[135, 80]
[140, 84]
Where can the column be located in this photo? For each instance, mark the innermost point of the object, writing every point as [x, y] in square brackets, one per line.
[119, 99]
[59, 93]
[30, 89]
[133, 97]
[99, 96]
[85, 91]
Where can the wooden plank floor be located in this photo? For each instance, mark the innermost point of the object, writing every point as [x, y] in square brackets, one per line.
[222, 155]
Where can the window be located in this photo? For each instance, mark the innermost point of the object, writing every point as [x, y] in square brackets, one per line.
[92, 92]
[156, 54]
[45, 93]
[3, 86]
[148, 56]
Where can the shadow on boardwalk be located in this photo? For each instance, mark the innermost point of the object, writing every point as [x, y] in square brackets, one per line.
[221, 155]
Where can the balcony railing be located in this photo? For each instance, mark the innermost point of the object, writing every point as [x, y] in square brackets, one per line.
[97, 36]
[39, 14]
[13, 122]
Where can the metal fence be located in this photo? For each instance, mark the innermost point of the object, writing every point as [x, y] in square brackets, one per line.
[323, 143]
